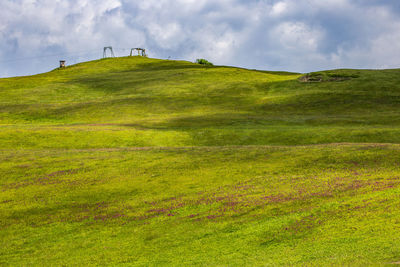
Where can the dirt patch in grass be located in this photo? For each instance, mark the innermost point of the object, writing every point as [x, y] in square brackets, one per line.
[326, 77]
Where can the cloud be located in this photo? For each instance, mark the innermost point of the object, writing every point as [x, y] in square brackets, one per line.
[295, 35]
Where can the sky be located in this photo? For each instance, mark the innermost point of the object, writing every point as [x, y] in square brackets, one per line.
[291, 35]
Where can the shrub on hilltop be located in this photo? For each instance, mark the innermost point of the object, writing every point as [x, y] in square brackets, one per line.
[203, 61]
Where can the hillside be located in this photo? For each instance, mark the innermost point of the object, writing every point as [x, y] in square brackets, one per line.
[138, 161]
[148, 102]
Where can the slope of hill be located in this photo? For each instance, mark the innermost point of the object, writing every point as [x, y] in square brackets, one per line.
[138, 161]
[147, 102]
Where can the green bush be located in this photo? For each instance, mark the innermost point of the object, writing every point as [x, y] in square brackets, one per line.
[203, 61]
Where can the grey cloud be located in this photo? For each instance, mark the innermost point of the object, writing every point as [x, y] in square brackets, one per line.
[295, 35]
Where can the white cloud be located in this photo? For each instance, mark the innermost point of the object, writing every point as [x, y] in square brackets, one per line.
[279, 8]
[296, 35]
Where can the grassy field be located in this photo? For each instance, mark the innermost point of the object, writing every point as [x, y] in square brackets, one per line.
[137, 161]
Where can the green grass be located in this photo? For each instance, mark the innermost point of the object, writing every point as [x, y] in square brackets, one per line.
[117, 102]
[138, 161]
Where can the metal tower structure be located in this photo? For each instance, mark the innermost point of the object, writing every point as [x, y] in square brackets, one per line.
[105, 51]
[140, 51]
